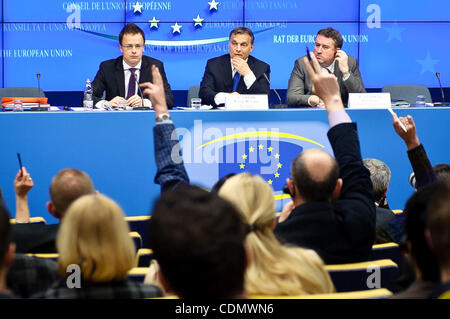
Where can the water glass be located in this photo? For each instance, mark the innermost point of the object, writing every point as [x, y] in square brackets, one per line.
[196, 103]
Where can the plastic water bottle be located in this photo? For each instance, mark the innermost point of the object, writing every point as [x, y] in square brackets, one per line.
[88, 102]
[420, 101]
[18, 106]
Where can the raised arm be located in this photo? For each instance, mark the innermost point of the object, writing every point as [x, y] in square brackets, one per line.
[22, 185]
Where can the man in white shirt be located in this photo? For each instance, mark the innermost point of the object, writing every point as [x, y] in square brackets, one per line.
[328, 52]
[118, 78]
[235, 73]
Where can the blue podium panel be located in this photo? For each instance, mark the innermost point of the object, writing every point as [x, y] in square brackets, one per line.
[301, 10]
[62, 11]
[413, 10]
[116, 148]
[405, 53]
[64, 57]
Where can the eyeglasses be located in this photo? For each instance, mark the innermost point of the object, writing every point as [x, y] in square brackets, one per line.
[130, 46]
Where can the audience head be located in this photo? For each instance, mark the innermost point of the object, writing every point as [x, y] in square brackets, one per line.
[216, 187]
[415, 224]
[198, 240]
[380, 174]
[442, 172]
[95, 236]
[65, 187]
[7, 248]
[438, 224]
[314, 176]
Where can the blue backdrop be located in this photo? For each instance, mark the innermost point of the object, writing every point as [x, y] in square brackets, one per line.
[396, 42]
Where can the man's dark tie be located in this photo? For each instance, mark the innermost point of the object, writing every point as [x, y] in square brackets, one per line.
[236, 78]
[131, 84]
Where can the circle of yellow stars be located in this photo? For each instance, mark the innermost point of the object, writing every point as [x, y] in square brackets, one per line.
[251, 149]
[176, 28]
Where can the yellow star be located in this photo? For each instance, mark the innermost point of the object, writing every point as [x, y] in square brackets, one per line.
[260, 146]
[242, 166]
[198, 21]
[270, 149]
[153, 23]
[213, 5]
[137, 7]
[277, 155]
[176, 28]
[251, 149]
[270, 182]
[244, 156]
[277, 175]
[279, 165]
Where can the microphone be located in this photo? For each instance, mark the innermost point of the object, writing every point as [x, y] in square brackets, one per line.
[438, 75]
[275, 106]
[142, 107]
[39, 108]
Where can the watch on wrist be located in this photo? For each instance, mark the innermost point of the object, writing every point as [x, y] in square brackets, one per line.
[162, 117]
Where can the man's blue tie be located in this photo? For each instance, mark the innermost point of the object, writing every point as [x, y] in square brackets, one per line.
[236, 78]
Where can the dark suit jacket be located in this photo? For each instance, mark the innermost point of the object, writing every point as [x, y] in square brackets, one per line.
[110, 78]
[343, 231]
[300, 84]
[218, 78]
[35, 237]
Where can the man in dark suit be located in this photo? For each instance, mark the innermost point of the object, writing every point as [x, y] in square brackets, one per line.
[334, 211]
[236, 72]
[116, 76]
[329, 53]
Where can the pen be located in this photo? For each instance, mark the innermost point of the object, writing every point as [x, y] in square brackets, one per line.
[20, 163]
[307, 54]
[401, 124]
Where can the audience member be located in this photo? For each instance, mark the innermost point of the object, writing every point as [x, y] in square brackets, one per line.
[274, 269]
[424, 264]
[442, 172]
[96, 253]
[438, 237]
[334, 211]
[7, 250]
[65, 187]
[380, 175]
[198, 240]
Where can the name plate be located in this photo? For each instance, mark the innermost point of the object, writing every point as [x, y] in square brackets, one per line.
[247, 102]
[369, 100]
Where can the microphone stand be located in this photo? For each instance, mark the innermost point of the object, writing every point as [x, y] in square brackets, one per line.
[39, 108]
[142, 107]
[438, 75]
[275, 106]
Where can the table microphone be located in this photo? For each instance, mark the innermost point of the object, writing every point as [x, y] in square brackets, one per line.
[39, 108]
[142, 107]
[275, 106]
[438, 75]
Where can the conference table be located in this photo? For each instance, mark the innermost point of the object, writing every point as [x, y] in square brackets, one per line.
[116, 148]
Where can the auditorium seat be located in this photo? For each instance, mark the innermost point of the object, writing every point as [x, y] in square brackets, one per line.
[137, 239]
[139, 224]
[361, 276]
[143, 257]
[37, 219]
[386, 251]
[363, 294]
[408, 93]
[137, 274]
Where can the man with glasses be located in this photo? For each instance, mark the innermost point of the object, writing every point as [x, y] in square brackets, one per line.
[332, 59]
[118, 77]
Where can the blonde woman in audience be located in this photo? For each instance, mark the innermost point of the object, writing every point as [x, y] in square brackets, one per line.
[93, 243]
[274, 269]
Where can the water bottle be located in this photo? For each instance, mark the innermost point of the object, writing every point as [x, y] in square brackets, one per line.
[18, 106]
[420, 101]
[88, 102]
